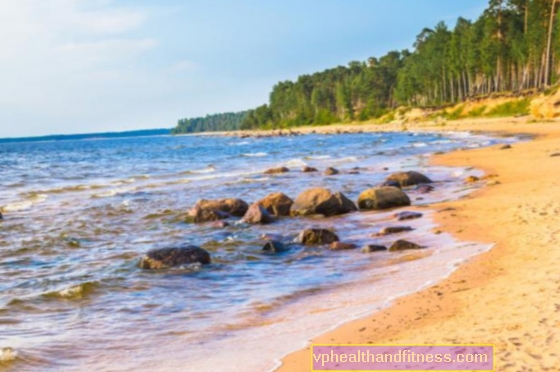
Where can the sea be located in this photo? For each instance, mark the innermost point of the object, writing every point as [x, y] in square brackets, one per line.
[80, 214]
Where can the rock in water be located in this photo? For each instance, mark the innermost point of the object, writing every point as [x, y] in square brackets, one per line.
[410, 178]
[317, 237]
[257, 215]
[277, 204]
[200, 215]
[277, 170]
[321, 201]
[331, 171]
[234, 207]
[393, 230]
[424, 189]
[370, 248]
[274, 246]
[169, 257]
[472, 179]
[307, 169]
[1, 217]
[402, 245]
[338, 246]
[383, 198]
[391, 184]
[407, 215]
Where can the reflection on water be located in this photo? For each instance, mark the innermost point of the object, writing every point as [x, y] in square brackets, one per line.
[79, 214]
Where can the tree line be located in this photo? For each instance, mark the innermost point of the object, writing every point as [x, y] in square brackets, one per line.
[228, 121]
[513, 46]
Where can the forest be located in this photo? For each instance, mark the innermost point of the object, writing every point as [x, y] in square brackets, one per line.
[514, 46]
[211, 123]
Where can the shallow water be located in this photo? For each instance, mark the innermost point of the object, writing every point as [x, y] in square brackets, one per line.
[79, 214]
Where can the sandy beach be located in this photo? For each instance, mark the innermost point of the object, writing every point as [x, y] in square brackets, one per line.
[509, 296]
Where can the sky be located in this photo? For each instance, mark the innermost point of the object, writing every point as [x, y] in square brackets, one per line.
[84, 66]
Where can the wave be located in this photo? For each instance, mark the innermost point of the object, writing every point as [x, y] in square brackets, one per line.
[74, 292]
[295, 163]
[419, 144]
[317, 157]
[32, 199]
[255, 154]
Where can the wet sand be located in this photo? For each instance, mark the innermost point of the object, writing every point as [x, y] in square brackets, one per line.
[509, 296]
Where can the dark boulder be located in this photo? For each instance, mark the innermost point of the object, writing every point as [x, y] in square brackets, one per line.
[277, 170]
[307, 169]
[339, 246]
[234, 207]
[331, 171]
[402, 245]
[407, 215]
[316, 237]
[169, 257]
[274, 246]
[393, 230]
[200, 215]
[391, 184]
[410, 178]
[277, 204]
[321, 201]
[257, 215]
[370, 248]
[382, 198]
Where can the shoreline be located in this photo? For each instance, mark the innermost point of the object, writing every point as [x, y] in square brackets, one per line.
[484, 300]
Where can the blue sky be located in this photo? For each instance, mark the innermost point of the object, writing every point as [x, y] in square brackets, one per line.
[79, 66]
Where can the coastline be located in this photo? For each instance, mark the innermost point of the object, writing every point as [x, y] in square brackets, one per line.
[508, 296]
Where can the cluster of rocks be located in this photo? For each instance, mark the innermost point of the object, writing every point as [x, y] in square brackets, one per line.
[311, 202]
[289, 133]
[330, 171]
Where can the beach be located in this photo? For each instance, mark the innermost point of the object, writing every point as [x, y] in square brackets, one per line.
[509, 296]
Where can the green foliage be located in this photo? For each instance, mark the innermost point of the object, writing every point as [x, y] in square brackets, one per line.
[513, 108]
[211, 123]
[455, 114]
[476, 113]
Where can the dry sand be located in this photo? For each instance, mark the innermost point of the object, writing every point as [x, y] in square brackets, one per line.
[509, 296]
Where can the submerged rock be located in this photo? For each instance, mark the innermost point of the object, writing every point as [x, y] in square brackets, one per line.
[169, 257]
[277, 204]
[330, 171]
[1, 217]
[257, 214]
[407, 215]
[200, 215]
[277, 170]
[274, 246]
[382, 198]
[391, 184]
[472, 179]
[307, 169]
[424, 189]
[402, 245]
[234, 207]
[317, 237]
[410, 178]
[393, 230]
[321, 201]
[338, 246]
[370, 248]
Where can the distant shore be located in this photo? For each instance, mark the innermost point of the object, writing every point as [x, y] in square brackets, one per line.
[509, 296]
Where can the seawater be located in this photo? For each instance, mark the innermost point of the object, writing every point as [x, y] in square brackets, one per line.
[80, 214]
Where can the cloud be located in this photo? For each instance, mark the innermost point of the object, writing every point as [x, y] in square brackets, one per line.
[182, 66]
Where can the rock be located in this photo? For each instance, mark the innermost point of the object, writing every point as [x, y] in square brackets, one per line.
[277, 204]
[382, 198]
[424, 189]
[407, 215]
[274, 246]
[331, 171]
[493, 183]
[338, 246]
[277, 170]
[1, 217]
[370, 248]
[234, 207]
[200, 215]
[170, 257]
[321, 201]
[402, 245]
[307, 169]
[393, 230]
[505, 147]
[391, 184]
[316, 237]
[257, 214]
[354, 172]
[472, 179]
[555, 154]
[220, 224]
[410, 178]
